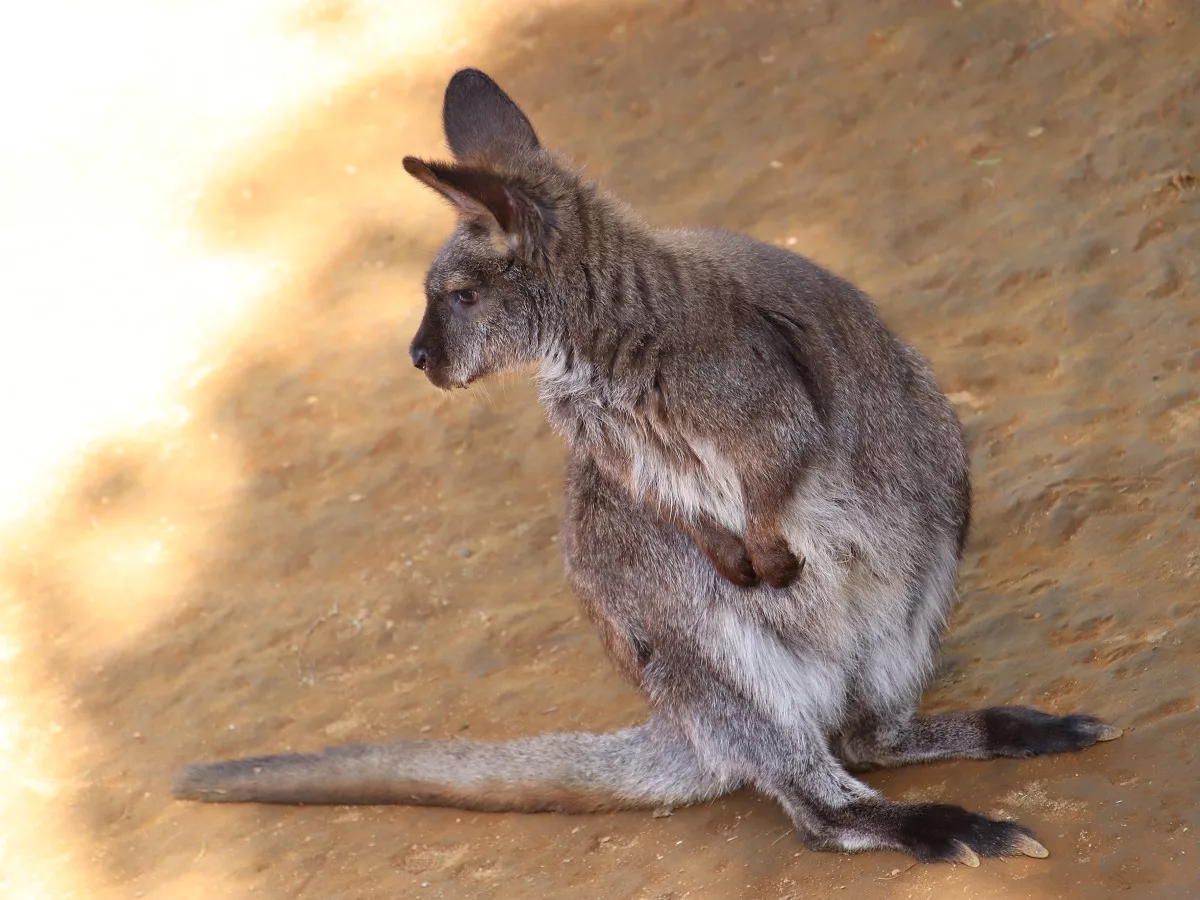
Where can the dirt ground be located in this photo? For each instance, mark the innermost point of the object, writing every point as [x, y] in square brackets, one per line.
[329, 551]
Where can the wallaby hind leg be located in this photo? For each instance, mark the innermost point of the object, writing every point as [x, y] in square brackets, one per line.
[831, 809]
[1012, 731]
[644, 766]
[887, 731]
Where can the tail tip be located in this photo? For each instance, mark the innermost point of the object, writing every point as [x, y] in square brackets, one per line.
[197, 782]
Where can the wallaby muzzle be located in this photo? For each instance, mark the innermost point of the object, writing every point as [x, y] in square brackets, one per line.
[428, 354]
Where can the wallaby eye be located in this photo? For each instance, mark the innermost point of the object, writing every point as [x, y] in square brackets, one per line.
[465, 297]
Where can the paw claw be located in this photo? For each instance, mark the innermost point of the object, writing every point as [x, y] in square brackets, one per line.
[1030, 847]
[1108, 733]
[964, 855]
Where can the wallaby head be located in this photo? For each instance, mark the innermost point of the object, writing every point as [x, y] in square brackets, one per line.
[486, 291]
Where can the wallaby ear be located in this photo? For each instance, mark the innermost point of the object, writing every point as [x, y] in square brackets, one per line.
[466, 203]
[481, 120]
[527, 223]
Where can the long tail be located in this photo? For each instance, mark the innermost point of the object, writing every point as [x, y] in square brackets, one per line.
[648, 765]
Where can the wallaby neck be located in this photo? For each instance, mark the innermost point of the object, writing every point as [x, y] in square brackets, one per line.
[617, 281]
[620, 327]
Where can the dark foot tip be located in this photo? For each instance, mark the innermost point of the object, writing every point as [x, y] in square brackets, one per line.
[1020, 731]
[935, 832]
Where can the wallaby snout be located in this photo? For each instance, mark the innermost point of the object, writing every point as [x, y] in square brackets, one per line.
[432, 352]
[418, 354]
[424, 355]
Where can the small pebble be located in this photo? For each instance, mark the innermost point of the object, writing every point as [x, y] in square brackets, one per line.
[1036, 131]
[464, 552]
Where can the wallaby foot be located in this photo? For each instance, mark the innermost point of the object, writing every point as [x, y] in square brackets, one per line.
[930, 832]
[773, 560]
[1000, 731]
[1019, 731]
[831, 810]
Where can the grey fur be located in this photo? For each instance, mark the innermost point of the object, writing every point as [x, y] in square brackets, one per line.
[733, 412]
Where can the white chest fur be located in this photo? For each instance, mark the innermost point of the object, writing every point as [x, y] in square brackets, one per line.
[708, 484]
[685, 475]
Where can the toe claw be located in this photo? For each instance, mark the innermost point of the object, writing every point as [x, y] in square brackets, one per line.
[964, 855]
[1108, 733]
[1030, 847]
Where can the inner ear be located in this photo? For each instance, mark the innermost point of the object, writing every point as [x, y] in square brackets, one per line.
[476, 193]
[524, 216]
[481, 121]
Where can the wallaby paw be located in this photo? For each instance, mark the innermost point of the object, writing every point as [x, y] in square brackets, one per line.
[938, 832]
[775, 563]
[727, 553]
[733, 563]
[1019, 731]
[740, 572]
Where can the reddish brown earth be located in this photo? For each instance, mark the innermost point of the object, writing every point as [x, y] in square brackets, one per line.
[346, 555]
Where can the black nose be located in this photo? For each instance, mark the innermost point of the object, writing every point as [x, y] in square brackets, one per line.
[419, 357]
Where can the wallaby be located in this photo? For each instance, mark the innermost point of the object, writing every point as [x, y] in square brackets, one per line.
[719, 396]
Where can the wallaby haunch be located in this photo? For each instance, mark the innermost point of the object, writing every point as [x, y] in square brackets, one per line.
[726, 399]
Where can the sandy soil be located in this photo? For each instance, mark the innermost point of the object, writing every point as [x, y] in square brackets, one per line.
[330, 551]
